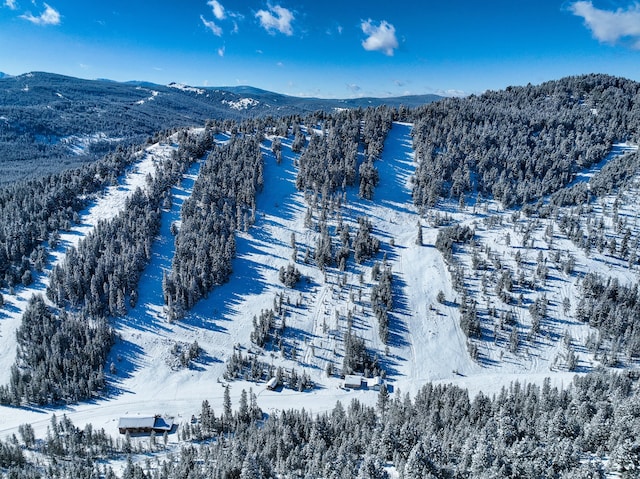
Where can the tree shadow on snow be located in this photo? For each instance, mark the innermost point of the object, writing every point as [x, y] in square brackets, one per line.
[125, 357]
[280, 184]
[390, 364]
[8, 307]
[395, 167]
[204, 359]
[224, 301]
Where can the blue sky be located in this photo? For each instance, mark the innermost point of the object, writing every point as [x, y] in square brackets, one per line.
[332, 48]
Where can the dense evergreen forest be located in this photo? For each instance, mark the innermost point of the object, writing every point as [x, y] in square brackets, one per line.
[522, 143]
[50, 123]
[223, 200]
[34, 211]
[582, 431]
[62, 351]
[330, 163]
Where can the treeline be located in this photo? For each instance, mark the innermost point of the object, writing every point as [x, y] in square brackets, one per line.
[615, 174]
[329, 163]
[588, 430]
[613, 309]
[60, 356]
[223, 200]
[524, 431]
[210, 426]
[522, 143]
[34, 212]
[101, 275]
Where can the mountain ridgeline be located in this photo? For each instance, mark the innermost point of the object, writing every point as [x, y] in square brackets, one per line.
[52, 122]
[487, 169]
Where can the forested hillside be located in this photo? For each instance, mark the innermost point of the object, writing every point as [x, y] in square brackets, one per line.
[50, 123]
[521, 144]
[409, 276]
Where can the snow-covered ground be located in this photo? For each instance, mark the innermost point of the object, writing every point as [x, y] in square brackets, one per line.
[154, 94]
[426, 342]
[105, 207]
[183, 87]
[242, 103]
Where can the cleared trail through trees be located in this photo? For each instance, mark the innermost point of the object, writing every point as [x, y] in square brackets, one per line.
[145, 334]
[106, 207]
[617, 149]
[149, 310]
[431, 341]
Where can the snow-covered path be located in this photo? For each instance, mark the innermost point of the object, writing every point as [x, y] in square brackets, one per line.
[424, 333]
[107, 206]
[616, 150]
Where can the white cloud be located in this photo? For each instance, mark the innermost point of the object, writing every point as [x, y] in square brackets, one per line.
[610, 26]
[11, 4]
[221, 51]
[217, 31]
[218, 9]
[452, 92]
[380, 38]
[50, 16]
[221, 15]
[277, 18]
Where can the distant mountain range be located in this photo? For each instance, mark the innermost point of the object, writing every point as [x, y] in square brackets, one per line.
[50, 121]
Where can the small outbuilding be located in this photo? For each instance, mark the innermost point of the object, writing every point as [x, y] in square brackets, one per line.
[144, 425]
[272, 383]
[375, 383]
[352, 381]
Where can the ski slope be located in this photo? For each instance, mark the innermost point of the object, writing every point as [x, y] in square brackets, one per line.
[106, 207]
[426, 342]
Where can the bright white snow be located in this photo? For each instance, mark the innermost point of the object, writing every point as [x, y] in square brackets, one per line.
[78, 144]
[183, 87]
[426, 342]
[241, 104]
